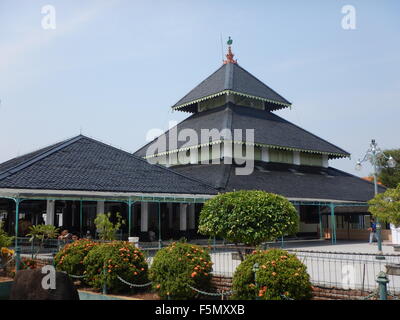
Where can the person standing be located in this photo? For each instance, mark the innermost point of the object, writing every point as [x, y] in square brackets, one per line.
[372, 231]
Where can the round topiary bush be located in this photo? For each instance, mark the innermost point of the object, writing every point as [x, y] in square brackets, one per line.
[248, 216]
[179, 266]
[279, 275]
[70, 257]
[105, 262]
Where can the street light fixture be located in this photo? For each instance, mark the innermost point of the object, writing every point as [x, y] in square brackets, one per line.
[373, 154]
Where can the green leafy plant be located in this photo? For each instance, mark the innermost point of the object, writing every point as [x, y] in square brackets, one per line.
[42, 232]
[106, 229]
[386, 206]
[249, 217]
[5, 239]
[179, 266]
[70, 257]
[390, 177]
[105, 262]
[279, 276]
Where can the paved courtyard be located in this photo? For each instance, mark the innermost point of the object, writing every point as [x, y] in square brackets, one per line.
[347, 265]
[340, 246]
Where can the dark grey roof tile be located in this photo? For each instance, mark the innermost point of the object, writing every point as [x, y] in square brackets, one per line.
[87, 164]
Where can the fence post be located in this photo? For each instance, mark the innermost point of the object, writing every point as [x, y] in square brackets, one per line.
[256, 267]
[382, 282]
[17, 259]
[105, 280]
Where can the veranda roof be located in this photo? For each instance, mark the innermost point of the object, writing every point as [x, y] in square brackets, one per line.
[85, 164]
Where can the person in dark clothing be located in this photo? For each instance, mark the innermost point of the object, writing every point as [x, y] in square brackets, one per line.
[372, 231]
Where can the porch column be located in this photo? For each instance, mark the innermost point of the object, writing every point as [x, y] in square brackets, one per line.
[159, 225]
[192, 220]
[50, 211]
[144, 217]
[17, 249]
[81, 216]
[333, 224]
[183, 217]
[170, 215]
[321, 231]
[100, 207]
[129, 203]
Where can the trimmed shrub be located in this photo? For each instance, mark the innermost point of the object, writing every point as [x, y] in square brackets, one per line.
[179, 265]
[248, 216]
[105, 262]
[70, 257]
[27, 263]
[279, 274]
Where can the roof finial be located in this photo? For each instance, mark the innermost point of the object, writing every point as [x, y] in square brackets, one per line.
[229, 55]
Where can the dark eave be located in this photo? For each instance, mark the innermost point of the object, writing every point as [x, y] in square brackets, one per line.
[270, 130]
[292, 181]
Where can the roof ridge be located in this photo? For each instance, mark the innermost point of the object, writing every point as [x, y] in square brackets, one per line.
[56, 147]
[228, 85]
[144, 160]
[206, 112]
[253, 76]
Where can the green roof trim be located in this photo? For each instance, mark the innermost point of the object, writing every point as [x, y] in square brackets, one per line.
[335, 155]
[229, 92]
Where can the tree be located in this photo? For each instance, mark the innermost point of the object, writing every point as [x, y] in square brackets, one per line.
[249, 217]
[386, 206]
[106, 229]
[390, 177]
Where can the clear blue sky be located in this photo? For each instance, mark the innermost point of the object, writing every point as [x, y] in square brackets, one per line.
[114, 68]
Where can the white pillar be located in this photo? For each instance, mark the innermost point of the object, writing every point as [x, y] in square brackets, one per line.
[144, 217]
[194, 156]
[264, 154]
[325, 161]
[296, 158]
[100, 207]
[50, 208]
[183, 217]
[192, 218]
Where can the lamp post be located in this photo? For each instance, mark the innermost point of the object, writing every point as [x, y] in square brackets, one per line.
[373, 154]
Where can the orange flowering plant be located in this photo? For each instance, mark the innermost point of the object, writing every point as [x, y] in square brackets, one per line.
[105, 262]
[70, 257]
[27, 263]
[279, 274]
[179, 265]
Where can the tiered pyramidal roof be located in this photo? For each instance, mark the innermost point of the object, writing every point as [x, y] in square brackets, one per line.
[231, 79]
[232, 98]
